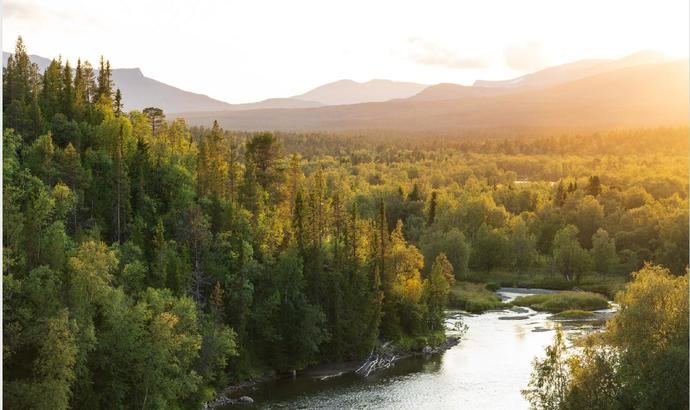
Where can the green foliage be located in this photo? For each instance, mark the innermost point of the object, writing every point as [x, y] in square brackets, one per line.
[651, 332]
[603, 252]
[570, 258]
[436, 289]
[523, 246]
[473, 297]
[550, 377]
[147, 263]
[291, 326]
[451, 243]
[640, 361]
[490, 249]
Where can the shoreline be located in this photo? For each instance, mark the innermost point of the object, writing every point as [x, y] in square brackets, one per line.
[232, 395]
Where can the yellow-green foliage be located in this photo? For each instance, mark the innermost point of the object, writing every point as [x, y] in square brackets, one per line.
[473, 297]
[164, 259]
[639, 361]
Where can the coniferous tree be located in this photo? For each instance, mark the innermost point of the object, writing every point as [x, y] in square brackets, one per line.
[432, 209]
[104, 90]
[80, 94]
[117, 103]
[67, 96]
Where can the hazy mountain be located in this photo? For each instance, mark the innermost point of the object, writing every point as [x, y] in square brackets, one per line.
[42, 62]
[140, 92]
[643, 95]
[449, 91]
[636, 90]
[353, 92]
[574, 71]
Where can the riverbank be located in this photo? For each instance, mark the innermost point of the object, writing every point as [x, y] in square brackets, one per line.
[607, 285]
[486, 370]
[480, 297]
[240, 394]
[472, 297]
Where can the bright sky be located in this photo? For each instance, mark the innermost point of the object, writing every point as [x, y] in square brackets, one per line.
[242, 51]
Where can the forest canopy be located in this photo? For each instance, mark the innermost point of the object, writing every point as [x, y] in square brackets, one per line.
[147, 264]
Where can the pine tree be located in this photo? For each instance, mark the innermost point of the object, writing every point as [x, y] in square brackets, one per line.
[382, 239]
[117, 104]
[432, 209]
[298, 219]
[415, 195]
[67, 96]
[156, 118]
[594, 187]
[104, 90]
[21, 95]
[80, 97]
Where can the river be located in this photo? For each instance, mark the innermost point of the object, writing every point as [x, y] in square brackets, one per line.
[486, 370]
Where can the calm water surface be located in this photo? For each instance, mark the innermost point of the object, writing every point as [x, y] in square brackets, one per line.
[485, 371]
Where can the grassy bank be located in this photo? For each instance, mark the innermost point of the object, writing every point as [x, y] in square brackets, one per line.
[563, 301]
[605, 284]
[415, 344]
[474, 297]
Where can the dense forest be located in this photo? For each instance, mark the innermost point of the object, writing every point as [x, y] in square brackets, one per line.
[147, 264]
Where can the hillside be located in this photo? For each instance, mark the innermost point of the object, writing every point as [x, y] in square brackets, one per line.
[353, 92]
[575, 71]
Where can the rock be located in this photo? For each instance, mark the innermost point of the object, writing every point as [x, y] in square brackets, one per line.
[245, 400]
[427, 350]
[513, 317]
[541, 329]
[518, 309]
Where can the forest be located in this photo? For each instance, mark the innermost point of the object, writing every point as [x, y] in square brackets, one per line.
[149, 264]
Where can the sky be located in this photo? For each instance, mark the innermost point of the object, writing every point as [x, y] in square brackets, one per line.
[249, 50]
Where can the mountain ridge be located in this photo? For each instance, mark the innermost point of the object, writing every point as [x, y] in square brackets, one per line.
[644, 95]
[574, 70]
[346, 91]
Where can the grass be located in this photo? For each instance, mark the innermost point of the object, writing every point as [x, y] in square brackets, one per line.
[474, 297]
[563, 301]
[574, 314]
[607, 285]
[417, 343]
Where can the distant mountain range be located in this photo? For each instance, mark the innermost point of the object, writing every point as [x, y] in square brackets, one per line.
[140, 92]
[351, 92]
[574, 71]
[643, 89]
[638, 96]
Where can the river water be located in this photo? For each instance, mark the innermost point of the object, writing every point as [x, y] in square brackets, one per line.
[486, 370]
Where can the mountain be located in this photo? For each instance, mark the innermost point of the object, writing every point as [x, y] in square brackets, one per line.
[574, 71]
[638, 90]
[41, 62]
[642, 95]
[353, 92]
[450, 91]
[140, 92]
